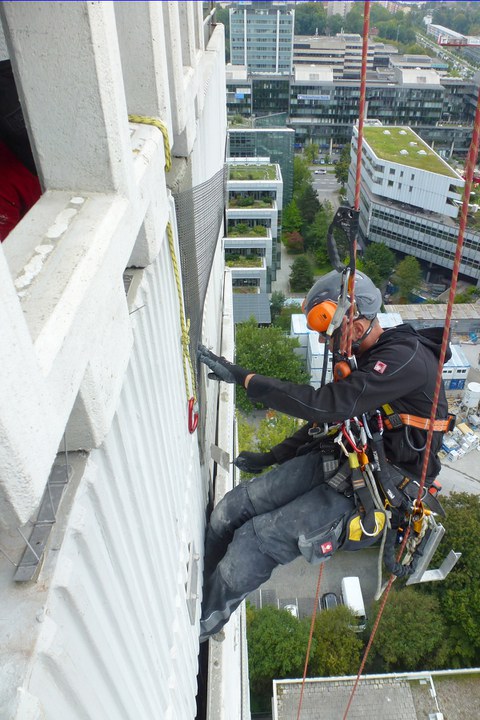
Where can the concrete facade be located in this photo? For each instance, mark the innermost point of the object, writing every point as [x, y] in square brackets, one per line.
[96, 382]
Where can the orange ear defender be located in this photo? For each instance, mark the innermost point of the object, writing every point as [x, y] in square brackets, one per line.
[320, 316]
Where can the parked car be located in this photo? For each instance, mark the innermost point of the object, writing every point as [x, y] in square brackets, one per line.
[328, 601]
[320, 172]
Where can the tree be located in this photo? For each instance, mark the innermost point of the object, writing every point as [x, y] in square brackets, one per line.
[292, 219]
[310, 18]
[308, 204]
[284, 320]
[408, 275]
[378, 262]
[266, 350]
[277, 301]
[311, 152]
[301, 274]
[316, 233]
[334, 24]
[301, 174]
[417, 649]
[294, 241]
[354, 19]
[275, 428]
[343, 165]
[338, 648]
[458, 594]
[277, 644]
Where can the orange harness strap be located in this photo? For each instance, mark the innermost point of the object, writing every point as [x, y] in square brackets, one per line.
[419, 422]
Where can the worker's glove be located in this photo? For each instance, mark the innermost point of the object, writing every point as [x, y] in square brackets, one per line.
[221, 369]
[254, 462]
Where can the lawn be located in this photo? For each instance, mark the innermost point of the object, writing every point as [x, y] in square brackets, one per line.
[252, 172]
[387, 147]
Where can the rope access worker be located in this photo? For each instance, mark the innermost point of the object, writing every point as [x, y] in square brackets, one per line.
[312, 502]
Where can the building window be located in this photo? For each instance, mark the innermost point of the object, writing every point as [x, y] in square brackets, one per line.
[390, 183]
[392, 171]
[410, 188]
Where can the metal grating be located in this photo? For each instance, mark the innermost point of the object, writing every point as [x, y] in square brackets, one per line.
[200, 213]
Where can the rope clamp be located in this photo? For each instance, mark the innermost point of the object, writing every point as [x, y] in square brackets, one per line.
[192, 415]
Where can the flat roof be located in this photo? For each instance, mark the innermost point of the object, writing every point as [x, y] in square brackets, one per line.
[387, 142]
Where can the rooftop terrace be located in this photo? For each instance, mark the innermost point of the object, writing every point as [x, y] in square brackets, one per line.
[252, 172]
[389, 142]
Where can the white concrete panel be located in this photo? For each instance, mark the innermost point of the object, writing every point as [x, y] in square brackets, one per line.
[68, 73]
[115, 637]
[144, 60]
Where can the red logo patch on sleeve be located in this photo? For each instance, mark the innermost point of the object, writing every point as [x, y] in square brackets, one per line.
[326, 548]
[380, 367]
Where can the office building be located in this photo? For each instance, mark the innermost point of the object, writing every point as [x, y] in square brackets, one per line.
[410, 199]
[342, 53]
[261, 36]
[255, 190]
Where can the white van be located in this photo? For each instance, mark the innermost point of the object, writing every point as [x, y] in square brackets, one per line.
[353, 599]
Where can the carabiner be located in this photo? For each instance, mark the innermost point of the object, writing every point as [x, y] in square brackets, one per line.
[192, 415]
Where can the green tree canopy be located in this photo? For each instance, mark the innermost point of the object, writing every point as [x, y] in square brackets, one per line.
[378, 262]
[334, 24]
[301, 274]
[410, 635]
[408, 275]
[338, 648]
[310, 18]
[277, 301]
[301, 174]
[311, 152]
[316, 234]
[292, 218]
[459, 594]
[266, 350]
[308, 204]
[342, 166]
[277, 644]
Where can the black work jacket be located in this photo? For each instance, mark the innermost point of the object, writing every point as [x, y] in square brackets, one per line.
[400, 369]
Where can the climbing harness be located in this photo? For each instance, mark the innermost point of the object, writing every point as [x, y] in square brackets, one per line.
[409, 523]
[188, 372]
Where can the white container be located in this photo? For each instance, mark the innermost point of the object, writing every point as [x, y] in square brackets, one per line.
[471, 397]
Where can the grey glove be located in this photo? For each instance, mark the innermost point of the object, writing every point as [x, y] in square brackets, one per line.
[221, 369]
[254, 462]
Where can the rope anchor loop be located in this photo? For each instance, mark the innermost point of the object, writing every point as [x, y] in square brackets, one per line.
[192, 415]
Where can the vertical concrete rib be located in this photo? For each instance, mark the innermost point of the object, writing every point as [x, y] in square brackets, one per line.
[65, 56]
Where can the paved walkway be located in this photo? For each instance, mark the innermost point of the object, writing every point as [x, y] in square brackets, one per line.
[281, 284]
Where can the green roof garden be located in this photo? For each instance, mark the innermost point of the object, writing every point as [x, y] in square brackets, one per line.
[387, 146]
[252, 172]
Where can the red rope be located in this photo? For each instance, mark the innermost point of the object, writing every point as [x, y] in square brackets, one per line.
[358, 175]
[312, 626]
[470, 168]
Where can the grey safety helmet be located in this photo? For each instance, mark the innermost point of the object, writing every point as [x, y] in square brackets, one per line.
[321, 302]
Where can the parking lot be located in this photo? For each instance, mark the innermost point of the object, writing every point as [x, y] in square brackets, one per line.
[304, 577]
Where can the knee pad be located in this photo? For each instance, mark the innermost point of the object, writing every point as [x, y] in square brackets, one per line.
[233, 510]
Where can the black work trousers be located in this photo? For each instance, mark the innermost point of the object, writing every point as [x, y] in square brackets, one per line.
[257, 526]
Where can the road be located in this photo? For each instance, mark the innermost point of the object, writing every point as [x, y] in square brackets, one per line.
[326, 186]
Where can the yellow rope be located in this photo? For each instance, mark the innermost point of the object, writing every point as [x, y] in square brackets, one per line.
[184, 322]
[141, 119]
